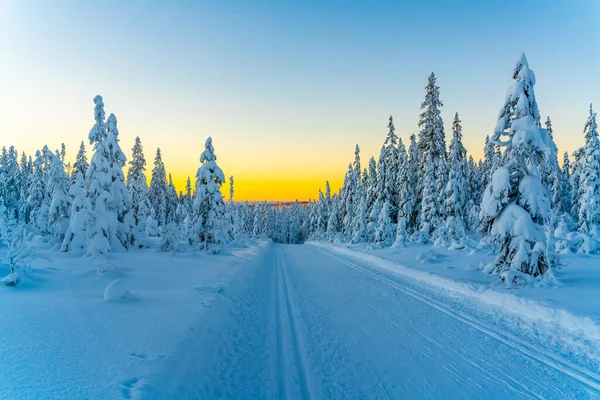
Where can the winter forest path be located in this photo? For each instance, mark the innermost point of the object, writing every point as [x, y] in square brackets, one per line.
[303, 323]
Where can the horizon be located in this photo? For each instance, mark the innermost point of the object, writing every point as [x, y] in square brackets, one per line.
[287, 92]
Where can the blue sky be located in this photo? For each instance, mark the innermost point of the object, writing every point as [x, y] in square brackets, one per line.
[285, 88]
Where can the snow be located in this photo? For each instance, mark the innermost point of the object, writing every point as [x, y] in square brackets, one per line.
[314, 323]
[567, 315]
[117, 290]
[72, 335]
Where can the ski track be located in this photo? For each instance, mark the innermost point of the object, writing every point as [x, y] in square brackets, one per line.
[585, 377]
[303, 323]
[291, 371]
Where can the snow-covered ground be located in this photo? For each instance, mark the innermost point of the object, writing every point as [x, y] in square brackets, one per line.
[575, 290]
[66, 336]
[562, 318]
[274, 321]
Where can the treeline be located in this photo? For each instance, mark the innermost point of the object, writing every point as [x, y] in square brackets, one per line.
[517, 198]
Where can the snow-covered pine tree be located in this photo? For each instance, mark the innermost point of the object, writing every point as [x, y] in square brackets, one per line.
[389, 182]
[384, 234]
[371, 190]
[101, 221]
[589, 179]
[158, 190]
[432, 149]
[347, 198]
[475, 190]
[137, 185]
[515, 203]
[576, 168]
[24, 181]
[489, 163]
[230, 211]
[209, 206]
[566, 195]
[11, 183]
[188, 197]
[359, 218]
[60, 201]
[378, 190]
[360, 223]
[38, 204]
[406, 195]
[81, 163]
[413, 162]
[98, 131]
[334, 224]
[121, 199]
[76, 236]
[172, 202]
[110, 225]
[456, 192]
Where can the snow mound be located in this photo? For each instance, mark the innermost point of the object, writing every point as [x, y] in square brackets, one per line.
[430, 256]
[117, 290]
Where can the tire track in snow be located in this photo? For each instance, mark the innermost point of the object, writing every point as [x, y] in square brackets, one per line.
[289, 349]
[586, 377]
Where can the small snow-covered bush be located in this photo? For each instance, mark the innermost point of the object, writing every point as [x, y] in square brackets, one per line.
[117, 290]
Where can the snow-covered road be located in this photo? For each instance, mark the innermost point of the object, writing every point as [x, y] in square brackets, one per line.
[302, 323]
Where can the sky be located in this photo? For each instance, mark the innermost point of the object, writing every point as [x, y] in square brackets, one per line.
[286, 89]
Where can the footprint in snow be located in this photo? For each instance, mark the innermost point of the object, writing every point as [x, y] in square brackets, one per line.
[141, 356]
[129, 387]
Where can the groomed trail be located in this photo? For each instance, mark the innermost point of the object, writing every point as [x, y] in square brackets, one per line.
[303, 323]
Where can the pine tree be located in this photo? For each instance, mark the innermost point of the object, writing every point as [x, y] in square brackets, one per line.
[456, 192]
[413, 163]
[121, 199]
[158, 190]
[515, 203]
[38, 204]
[81, 164]
[347, 197]
[76, 236]
[209, 205]
[60, 204]
[104, 215]
[432, 149]
[406, 195]
[475, 190]
[384, 234]
[334, 222]
[137, 185]
[359, 222]
[576, 169]
[390, 175]
[360, 229]
[24, 181]
[371, 187]
[10, 181]
[110, 227]
[589, 179]
[489, 160]
[172, 202]
[566, 195]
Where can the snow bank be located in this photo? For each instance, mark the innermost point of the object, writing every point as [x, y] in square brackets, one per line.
[583, 333]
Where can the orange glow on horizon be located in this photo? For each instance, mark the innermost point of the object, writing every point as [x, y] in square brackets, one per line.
[270, 189]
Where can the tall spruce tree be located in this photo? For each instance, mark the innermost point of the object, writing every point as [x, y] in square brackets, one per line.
[81, 163]
[515, 203]
[432, 149]
[158, 190]
[208, 205]
[589, 179]
[456, 192]
[137, 185]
